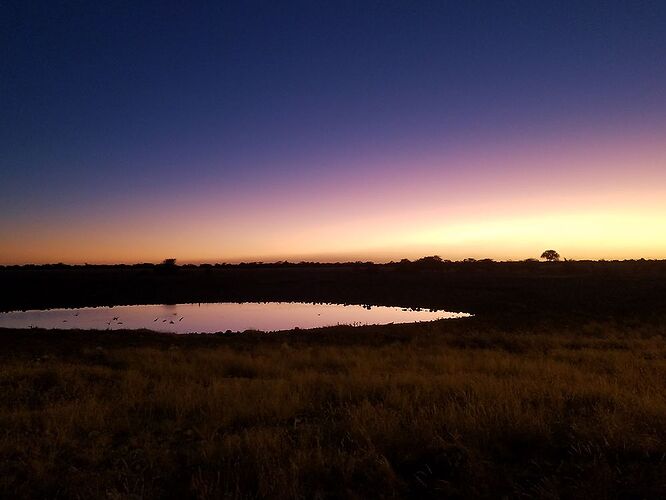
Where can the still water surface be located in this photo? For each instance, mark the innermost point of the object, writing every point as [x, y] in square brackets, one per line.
[218, 317]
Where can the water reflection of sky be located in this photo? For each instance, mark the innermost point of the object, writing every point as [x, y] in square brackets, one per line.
[208, 318]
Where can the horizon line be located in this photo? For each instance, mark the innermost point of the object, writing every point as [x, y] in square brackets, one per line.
[431, 258]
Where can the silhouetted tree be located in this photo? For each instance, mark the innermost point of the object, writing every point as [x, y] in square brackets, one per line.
[550, 255]
[167, 266]
[432, 259]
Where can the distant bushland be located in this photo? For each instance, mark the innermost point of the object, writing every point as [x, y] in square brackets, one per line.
[510, 290]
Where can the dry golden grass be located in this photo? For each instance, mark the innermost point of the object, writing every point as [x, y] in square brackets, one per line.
[425, 411]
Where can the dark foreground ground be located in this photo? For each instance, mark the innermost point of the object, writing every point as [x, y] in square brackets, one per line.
[448, 409]
[556, 389]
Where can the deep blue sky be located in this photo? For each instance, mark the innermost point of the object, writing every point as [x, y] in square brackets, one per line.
[149, 98]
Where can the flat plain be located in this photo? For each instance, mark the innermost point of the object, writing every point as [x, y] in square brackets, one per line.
[555, 389]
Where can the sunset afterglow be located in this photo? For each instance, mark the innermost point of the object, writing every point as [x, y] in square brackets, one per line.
[349, 150]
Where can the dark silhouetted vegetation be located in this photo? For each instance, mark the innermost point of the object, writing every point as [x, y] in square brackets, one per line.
[550, 256]
[569, 290]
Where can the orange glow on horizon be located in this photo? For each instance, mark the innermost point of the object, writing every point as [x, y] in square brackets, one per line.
[604, 199]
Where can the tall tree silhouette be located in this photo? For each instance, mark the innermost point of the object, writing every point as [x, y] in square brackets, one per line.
[550, 255]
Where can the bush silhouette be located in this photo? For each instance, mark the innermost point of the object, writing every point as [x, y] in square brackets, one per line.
[550, 255]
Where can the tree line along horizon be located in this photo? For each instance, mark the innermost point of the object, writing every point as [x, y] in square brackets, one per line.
[546, 256]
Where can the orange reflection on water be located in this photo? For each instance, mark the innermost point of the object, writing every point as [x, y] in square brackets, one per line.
[217, 317]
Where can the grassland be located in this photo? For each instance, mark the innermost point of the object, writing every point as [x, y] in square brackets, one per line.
[450, 409]
[555, 389]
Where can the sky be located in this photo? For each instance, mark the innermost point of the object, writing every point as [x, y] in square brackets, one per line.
[330, 130]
